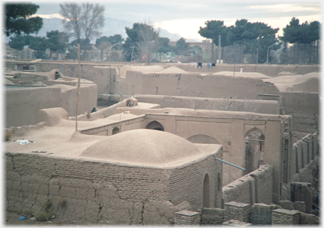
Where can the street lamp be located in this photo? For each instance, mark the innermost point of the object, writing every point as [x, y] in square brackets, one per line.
[110, 49]
[276, 43]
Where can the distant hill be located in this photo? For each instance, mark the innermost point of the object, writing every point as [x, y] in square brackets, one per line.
[111, 27]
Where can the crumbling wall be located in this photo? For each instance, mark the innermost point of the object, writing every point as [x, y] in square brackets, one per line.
[92, 191]
[304, 108]
[255, 187]
[305, 160]
[258, 106]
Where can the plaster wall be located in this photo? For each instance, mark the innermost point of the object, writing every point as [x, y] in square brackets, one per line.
[258, 106]
[304, 108]
[106, 193]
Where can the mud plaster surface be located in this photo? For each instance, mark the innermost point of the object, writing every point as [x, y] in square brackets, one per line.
[62, 140]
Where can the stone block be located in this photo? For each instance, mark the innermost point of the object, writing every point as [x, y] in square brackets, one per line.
[212, 216]
[286, 204]
[185, 217]
[300, 206]
[308, 219]
[234, 222]
[261, 214]
[302, 191]
[285, 217]
[237, 211]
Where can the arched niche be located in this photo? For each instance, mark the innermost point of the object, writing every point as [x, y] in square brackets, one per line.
[206, 191]
[201, 138]
[254, 149]
[115, 130]
[155, 125]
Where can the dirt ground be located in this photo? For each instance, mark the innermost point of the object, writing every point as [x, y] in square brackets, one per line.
[12, 219]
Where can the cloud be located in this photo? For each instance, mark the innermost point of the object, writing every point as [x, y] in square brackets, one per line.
[287, 8]
[48, 16]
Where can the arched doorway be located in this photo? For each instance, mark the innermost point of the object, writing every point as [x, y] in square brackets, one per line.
[254, 148]
[155, 126]
[206, 191]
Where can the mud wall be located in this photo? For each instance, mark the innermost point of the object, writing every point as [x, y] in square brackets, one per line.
[258, 106]
[23, 105]
[304, 108]
[305, 160]
[270, 70]
[186, 184]
[251, 188]
[100, 192]
[193, 85]
[110, 81]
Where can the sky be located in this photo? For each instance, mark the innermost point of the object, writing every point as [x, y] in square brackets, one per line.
[184, 17]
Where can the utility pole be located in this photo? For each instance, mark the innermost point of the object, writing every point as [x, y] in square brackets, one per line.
[78, 89]
[219, 48]
[132, 53]
[257, 56]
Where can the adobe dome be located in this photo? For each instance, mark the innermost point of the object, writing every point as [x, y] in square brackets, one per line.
[143, 147]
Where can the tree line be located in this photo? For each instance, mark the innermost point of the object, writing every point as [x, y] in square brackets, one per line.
[84, 22]
[257, 37]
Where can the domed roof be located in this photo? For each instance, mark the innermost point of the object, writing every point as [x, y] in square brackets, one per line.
[143, 147]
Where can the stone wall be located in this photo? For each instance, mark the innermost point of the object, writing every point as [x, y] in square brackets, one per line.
[98, 192]
[260, 215]
[254, 187]
[258, 106]
[285, 217]
[304, 108]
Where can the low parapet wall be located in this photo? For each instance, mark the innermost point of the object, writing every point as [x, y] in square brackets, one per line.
[255, 187]
[266, 69]
[258, 106]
